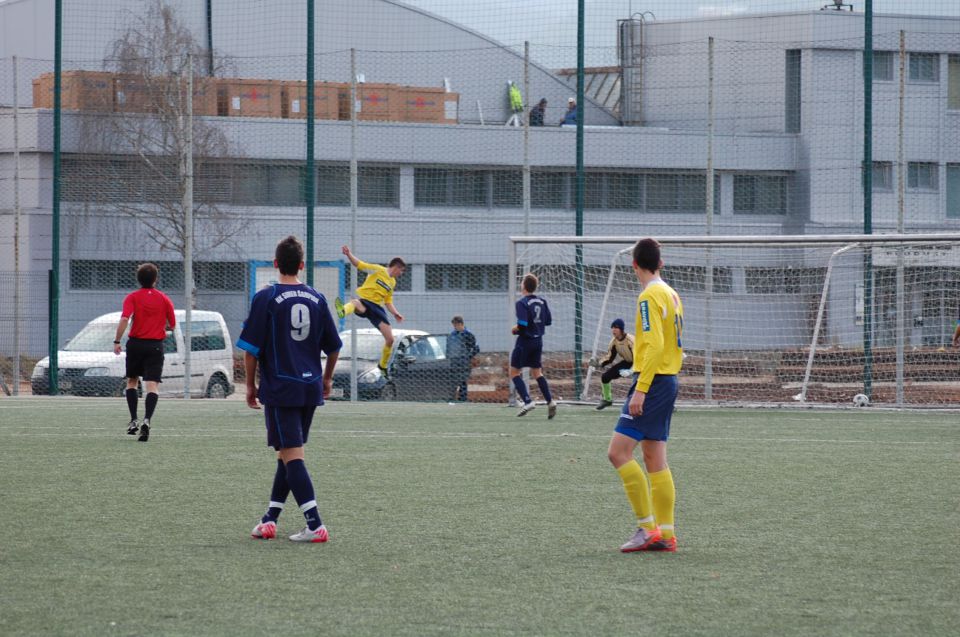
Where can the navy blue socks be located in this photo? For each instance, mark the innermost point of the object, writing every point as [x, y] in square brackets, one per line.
[302, 488]
[544, 388]
[521, 389]
[278, 494]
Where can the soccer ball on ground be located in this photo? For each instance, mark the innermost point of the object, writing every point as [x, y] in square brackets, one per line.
[861, 400]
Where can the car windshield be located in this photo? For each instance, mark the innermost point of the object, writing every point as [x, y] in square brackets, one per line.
[95, 337]
[369, 346]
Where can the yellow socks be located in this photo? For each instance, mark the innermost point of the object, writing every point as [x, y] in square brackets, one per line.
[664, 496]
[638, 493]
[385, 356]
[348, 308]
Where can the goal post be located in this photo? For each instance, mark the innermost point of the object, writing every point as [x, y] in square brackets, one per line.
[768, 320]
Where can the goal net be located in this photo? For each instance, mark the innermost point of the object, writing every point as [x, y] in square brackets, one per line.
[791, 319]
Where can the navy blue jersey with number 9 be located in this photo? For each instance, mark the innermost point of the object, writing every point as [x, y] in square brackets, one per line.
[287, 329]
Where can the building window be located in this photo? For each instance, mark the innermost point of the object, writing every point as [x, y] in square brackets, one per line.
[220, 275]
[693, 278]
[507, 188]
[333, 185]
[458, 277]
[953, 191]
[94, 274]
[377, 186]
[405, 280]
[263, 184]
[924, 67]
[450, 187]
[953, 83]
[883, 66]
[760, 280]
[760, 194]
[549, 189]
[792, 101]
[922, 176]
[882, 176]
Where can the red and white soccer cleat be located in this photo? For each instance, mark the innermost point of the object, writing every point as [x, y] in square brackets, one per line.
[642, 540]
[306, 535]
[264, 531]
[664, 545]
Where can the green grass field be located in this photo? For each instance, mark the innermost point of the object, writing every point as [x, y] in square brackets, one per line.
[467, 520]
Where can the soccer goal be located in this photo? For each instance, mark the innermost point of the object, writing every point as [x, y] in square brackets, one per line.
[767, 320]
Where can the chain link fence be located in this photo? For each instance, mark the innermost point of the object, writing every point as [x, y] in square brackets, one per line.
[184, 143]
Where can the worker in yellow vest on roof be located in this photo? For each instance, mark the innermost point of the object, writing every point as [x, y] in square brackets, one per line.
[516, 103]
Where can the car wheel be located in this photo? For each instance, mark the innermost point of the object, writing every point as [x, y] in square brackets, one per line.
[389, 392]
[217, 387]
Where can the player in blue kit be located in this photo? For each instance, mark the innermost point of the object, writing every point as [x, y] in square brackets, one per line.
[533, 317]
[288, 328]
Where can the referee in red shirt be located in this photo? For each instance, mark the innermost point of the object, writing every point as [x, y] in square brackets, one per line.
[152, 313]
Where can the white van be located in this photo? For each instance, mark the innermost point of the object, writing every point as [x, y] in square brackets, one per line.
[88, 366]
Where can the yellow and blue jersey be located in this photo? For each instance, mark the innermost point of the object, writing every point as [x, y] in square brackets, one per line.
[378, 286]
[658, 348]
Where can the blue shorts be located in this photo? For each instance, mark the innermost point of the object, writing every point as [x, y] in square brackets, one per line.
[654, 422]
[288, 427]
[526, 353]
[374, 313]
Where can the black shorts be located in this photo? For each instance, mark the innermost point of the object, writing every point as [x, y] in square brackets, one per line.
[145, 359]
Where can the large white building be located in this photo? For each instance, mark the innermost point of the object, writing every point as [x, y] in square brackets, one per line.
[787, 149]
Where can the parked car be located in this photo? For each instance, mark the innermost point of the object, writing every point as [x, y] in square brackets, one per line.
[88, 366]
[418, 368]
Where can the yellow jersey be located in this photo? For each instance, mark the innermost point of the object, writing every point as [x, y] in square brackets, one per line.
[659, 348]
[378, 286]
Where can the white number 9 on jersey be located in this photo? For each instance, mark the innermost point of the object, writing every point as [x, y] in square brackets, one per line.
[299, 322]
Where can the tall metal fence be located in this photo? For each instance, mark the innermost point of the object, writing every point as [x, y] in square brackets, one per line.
[183, 140]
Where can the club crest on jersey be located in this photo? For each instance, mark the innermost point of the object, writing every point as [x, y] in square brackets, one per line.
[645, 316]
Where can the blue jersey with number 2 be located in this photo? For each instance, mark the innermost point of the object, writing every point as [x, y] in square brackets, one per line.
[288, 328]
[533, 316]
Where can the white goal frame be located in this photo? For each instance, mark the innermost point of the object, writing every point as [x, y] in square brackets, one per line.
[842, 242]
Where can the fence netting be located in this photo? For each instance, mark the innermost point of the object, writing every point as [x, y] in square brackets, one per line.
[440, 129]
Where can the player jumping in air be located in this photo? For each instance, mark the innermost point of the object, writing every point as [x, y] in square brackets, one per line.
[288, 328]
[152, 313]
[375, 294]
[645, 418]
[533, 317]
[621, 345]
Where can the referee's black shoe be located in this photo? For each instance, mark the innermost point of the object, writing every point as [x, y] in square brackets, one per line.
[144, 431]
[132, 427]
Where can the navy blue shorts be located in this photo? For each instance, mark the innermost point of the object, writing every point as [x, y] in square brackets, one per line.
[526, 353]
[654, 422]
[374, 313]
[288, 427]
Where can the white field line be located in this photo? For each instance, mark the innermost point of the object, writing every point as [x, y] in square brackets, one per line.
[43, 431]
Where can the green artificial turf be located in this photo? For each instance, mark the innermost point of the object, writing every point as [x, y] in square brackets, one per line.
[462, 519]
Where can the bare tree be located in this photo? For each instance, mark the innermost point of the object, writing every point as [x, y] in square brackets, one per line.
[142, 148]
